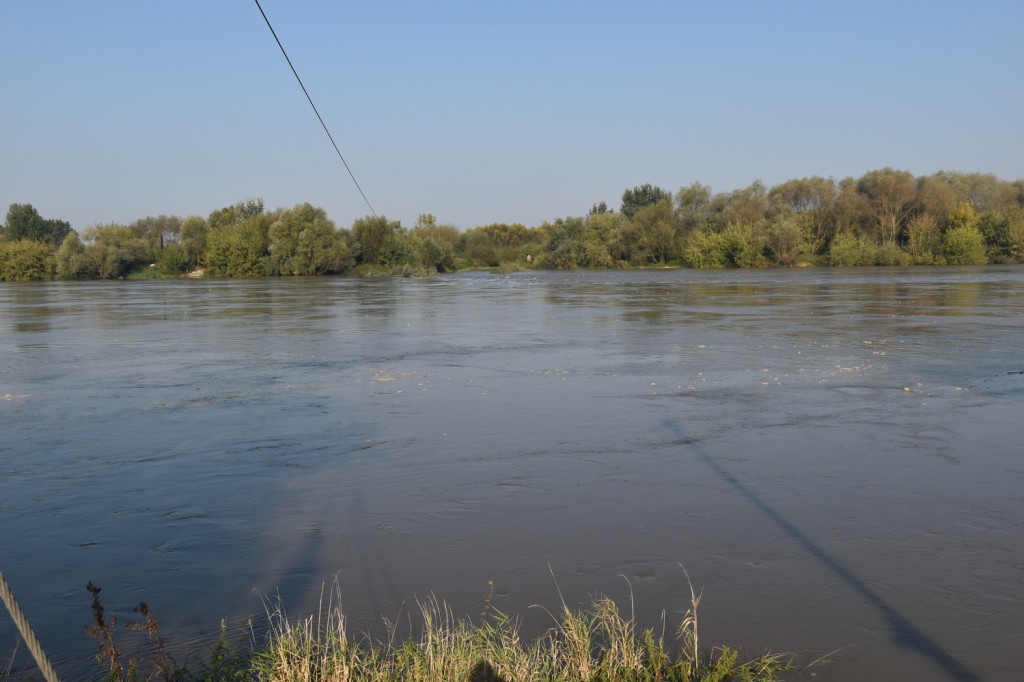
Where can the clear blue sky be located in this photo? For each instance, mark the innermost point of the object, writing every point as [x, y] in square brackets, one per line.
[483, 112]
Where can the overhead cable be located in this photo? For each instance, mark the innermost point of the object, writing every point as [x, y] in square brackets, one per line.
[319, 117]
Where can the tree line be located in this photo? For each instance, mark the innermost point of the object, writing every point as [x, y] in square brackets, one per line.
[885, 217]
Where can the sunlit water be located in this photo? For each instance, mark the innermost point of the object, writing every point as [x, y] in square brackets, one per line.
[834, 455]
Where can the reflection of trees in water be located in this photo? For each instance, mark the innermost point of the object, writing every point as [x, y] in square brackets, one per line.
[28, 306]
[654, 304]
[940, 297]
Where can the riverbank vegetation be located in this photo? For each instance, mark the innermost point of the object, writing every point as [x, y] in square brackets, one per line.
[600, 643]
[885, 217]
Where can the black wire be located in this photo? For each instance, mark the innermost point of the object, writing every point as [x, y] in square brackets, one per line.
[310, 99]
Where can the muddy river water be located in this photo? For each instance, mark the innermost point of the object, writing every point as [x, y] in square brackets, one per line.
[836, 456]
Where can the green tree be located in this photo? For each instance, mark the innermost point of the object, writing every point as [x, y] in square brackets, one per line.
[427, 227]
[425, 222]
[194, 232]
[244, 210]
[506, 234]
[963, 216]
[595, 255]
[652, 233]
[847, 250]
[744, 245]
[889, 253]
[1004, 235]
[478, 247]
[850, 213]
[565, 247]
[812, 202]
[891, 198]
[435, 253]
[70, 258]
[26, 259]
[984, 191]
[496, 243]
[609, 229]
[738, 246]
[24, 222]
[705, 250]
[113, 251]
[923, 239]
[399, 250]
[963, 243]
[435, 245]
[937, 196]
[1014, 227]
[640, 196]
[747, 206]
[173, 260]
[240, 249]
[157, 232]
[694, 208]
[784, 241]
[373, 235]
[303, 241]
[964, 246]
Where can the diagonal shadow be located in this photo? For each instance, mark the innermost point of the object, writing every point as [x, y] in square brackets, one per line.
[904, 633]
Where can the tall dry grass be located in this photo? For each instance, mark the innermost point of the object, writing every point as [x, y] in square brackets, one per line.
[594, 644]
[598, 643]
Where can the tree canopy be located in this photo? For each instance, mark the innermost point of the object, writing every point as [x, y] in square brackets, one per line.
[885, 217]
[24, 222]
[640, 196]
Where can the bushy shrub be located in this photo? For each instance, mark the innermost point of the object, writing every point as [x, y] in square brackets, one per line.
[25, 260]
[595, 255]
[706, 250]
[376, 240]
[923, 240]
[565, 256]
[964, 246]
[400, 249]
[1004, 236]
[846, 251]
[435, 253]
[743, 246]
[303, 241]
[479, 249]
[239, 250]
[173, 260]
[194, 232]
[785, 243]
[70, 257]
[112, 251]
[890, 254]
[1015, 241]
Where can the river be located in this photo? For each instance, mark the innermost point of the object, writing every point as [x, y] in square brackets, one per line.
[834, 455]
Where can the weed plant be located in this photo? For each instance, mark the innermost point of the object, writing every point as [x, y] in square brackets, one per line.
[595, 644]
[598, 643]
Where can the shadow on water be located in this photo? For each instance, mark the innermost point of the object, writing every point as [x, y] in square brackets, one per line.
[904, 633]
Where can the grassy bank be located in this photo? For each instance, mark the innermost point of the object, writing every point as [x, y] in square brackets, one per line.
[599, 643]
